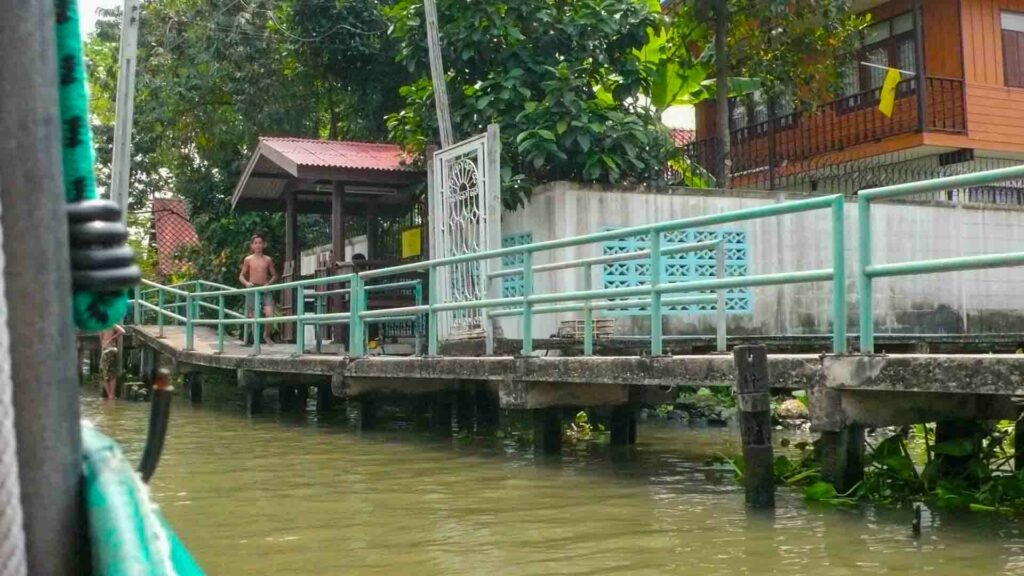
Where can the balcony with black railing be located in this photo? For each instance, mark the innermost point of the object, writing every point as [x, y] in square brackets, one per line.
[785, 142]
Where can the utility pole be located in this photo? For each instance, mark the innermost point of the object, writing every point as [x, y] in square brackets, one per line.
[723, 160]
[121, 169]
[444, 119]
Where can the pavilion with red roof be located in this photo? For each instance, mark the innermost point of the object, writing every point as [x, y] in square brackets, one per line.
[344, 179]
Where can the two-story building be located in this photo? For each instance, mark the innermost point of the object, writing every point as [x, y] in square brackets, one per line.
[959, 107]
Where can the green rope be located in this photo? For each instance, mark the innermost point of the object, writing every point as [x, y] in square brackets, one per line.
[93, 311]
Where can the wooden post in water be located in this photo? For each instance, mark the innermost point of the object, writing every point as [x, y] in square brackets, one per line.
[755, 424]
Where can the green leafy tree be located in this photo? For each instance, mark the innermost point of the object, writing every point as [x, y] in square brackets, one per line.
[562, 79]
[213, 76]
[791, 51]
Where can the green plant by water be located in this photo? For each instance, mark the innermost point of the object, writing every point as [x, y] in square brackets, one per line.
[972, 472]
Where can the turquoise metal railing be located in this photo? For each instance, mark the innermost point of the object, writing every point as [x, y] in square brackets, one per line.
[656, 296]
[587, 264]
[196, 300]
[868, 271]
[527, 304]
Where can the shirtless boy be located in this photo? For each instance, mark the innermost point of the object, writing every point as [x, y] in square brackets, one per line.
[258, 270]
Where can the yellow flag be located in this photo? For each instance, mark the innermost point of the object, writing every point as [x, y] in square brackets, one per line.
[888, 98]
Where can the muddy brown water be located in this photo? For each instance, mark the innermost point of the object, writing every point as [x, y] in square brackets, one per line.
[304, 495]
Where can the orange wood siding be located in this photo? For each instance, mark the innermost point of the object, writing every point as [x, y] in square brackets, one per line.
[995, 112]
[942, 53]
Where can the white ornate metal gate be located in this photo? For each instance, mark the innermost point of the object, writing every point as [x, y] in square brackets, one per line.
[465, 218]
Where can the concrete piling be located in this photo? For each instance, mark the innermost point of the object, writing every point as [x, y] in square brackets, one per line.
[325, 400]
[547, 430]
[1018, 444]
[488, 408]
[464, 407]
[194, 387]
[755, 424]
[624, 425]
[252, 385]
[842, 457]
[441, 412]
[367, 413]
[148, 366]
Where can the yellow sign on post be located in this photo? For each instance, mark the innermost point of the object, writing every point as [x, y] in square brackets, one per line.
[411, 242]
[888, 98]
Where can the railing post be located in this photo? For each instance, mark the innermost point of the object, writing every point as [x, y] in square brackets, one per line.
[867, 323]
[300, 310]
[432, 318]
[527, 307]
[220, 324]
[357, 332]
[838, 277]
[919, 65]
[656, 347]
[160, 311]
[720, 336]
[257, 329]
[189, 333]
[588, 314]
[136, 307]
[319, 326]
[417, 325]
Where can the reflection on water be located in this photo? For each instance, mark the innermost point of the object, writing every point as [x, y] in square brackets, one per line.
[302, 496]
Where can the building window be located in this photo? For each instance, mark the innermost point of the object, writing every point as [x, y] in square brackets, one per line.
[886, 44]
[1013, 48]
[889, 43]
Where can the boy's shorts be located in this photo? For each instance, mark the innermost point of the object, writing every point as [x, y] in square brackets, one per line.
[109, 360]
[266, 299]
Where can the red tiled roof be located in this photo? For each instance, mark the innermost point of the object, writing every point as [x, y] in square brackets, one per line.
[173, 230]
[681, 136]
[337, 154]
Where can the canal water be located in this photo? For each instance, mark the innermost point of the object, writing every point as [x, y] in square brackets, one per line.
[301, 496]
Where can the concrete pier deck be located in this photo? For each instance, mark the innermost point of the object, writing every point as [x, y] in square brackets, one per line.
[852, 389]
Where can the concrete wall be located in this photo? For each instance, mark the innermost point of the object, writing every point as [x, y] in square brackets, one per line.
[974, 301]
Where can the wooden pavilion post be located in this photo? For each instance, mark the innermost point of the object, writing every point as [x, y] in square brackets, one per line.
[290, 270]
[340, 334]
[372, 231]
[291, 229]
